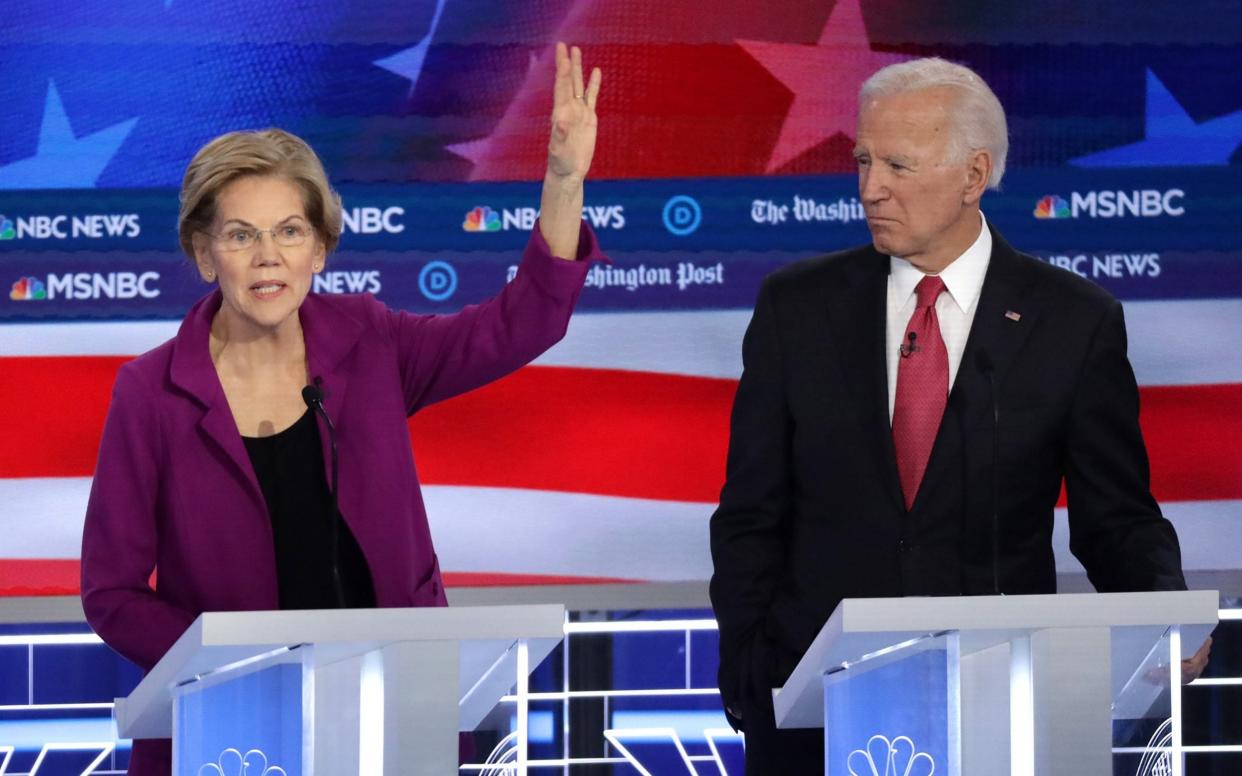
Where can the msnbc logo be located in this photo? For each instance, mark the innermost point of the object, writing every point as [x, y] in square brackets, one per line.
[481, 219]
[28, 288]
[1052, 206]
[6, 228]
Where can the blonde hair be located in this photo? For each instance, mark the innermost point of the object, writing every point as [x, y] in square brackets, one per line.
[263, 152]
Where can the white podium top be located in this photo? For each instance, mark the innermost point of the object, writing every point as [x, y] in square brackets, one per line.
[863, 626]
[221, 640]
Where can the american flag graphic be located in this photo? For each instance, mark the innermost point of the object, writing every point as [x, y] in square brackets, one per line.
[623, 488]
[603, 459]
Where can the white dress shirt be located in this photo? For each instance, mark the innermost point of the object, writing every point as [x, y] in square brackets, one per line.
[963, 280]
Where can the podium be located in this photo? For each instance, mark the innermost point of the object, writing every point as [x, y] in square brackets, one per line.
[376, 692]
[1039, 685]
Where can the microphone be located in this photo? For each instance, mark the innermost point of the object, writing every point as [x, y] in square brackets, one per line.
[984, 362]
[910, 348]
[313, 396]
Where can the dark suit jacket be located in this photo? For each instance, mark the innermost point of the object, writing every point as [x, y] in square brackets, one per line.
[812, 511]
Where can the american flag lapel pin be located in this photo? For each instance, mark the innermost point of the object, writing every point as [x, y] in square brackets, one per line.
[1011, 315]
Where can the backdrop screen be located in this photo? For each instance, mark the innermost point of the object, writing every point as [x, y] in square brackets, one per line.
[724, 153]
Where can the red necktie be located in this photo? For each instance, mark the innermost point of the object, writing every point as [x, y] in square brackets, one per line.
[922, 388]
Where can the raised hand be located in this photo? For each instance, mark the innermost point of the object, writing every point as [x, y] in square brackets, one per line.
[572, 143]
[569, 152]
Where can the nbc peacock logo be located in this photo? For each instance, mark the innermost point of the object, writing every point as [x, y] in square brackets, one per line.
[1052, 206]
[882, 757]
[481, 219]
[28, 289]
[232, 762]
[6, 228]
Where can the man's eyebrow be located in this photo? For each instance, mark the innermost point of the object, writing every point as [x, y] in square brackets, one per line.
[860, 153]
[904, 161]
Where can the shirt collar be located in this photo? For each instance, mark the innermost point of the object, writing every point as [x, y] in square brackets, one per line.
[963, 278]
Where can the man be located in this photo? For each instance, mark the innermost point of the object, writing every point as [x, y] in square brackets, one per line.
[875, 384]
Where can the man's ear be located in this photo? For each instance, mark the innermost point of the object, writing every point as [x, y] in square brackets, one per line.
[978, 172]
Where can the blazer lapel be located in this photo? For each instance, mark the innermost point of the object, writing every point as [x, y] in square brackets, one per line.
[194, 373]
[858, 314]
[330, 335]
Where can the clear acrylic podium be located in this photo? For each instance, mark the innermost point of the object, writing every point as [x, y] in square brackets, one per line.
[380, 692]
[1045, 685]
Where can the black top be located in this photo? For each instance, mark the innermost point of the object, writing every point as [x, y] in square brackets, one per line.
[289, 466]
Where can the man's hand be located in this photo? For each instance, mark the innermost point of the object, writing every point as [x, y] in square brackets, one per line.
[1193, 666]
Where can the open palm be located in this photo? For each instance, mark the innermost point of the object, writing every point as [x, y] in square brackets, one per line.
[572, 143]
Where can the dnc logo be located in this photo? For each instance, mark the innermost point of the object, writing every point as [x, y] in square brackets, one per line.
[1052, 206]
[26, 289]
[482, 219]
[682, 215]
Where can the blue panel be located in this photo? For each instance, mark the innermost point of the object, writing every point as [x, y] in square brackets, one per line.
[732, 753]
[13, 675]
[225, 724]
[689, 715]
[41, 628]
[690, 725]
[547, 676]
[81, 673]
[546, 724]
[664, 614]
[706, 704]
[649, 660]
[33, 734]
[705, 658]
[657, 755]
[903, 714]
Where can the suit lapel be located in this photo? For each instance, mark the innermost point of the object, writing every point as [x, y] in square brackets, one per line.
[858, 313]
[1004, 317]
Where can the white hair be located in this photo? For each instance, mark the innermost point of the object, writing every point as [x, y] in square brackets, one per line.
[977, 120]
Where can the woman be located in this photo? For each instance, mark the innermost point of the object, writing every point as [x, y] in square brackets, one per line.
[211, 472]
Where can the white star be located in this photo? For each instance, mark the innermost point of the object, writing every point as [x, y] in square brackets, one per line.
[408, 63]
[1172, 136]
[61, 160]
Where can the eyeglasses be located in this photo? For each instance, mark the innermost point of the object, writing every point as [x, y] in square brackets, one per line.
[240, 238]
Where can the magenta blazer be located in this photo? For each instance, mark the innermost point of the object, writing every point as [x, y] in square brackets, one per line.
[174, 491]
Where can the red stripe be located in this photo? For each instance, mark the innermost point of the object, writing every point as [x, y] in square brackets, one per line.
[597, 431]
[607, 432]
[38, 577]
[1192, 435]
[56, 409]
[60, 577]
